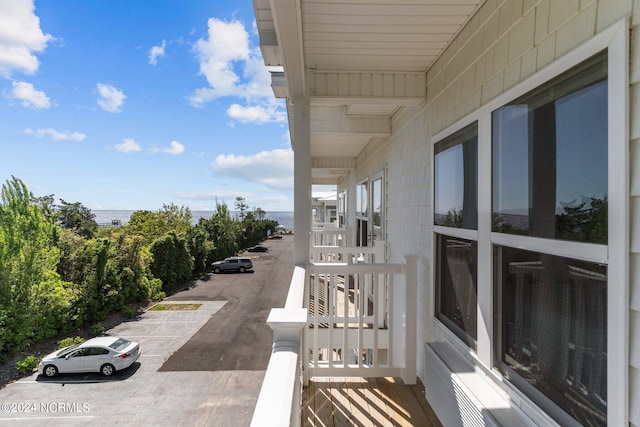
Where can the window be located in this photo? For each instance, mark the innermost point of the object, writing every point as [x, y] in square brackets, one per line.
[120, 344]
[456, 206]
[554, 329]
[377, 203]
[456, 275]
[456, 176]
[550, 158]
[550, 181]
[342, 209]
[370, 200]
[362, 195]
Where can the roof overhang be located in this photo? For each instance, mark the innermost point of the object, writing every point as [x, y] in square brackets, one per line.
[357, 61]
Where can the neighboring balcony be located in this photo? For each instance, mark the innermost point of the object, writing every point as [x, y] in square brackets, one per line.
[345, 342]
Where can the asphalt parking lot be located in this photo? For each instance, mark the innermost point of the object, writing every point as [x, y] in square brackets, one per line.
[199, 367]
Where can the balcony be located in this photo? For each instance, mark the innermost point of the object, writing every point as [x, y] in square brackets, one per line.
[345, 342]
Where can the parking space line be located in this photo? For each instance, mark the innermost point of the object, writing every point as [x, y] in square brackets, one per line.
[175, 321]
[49, 418]
[154, 336]
[59, 381]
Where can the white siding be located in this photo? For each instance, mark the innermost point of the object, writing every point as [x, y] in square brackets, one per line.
[634, 161]
[634, 275]
[503, 44]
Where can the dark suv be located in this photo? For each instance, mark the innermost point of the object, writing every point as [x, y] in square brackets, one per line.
[232, 264]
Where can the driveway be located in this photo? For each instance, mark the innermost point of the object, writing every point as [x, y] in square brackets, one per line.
[200, 366]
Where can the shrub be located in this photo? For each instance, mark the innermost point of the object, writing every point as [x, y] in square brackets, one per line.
[97, 329]
[66, 342]
[129, 311]
[172, 263]
[153, 289]
[28, 364]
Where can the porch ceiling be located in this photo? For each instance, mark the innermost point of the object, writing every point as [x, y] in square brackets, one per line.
[367, 57]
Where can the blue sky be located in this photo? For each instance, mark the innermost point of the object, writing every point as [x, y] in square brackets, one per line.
[124, 104]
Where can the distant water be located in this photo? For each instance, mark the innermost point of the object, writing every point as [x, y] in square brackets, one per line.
[107, 217]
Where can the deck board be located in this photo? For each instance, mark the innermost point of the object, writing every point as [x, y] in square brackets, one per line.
[349, 401]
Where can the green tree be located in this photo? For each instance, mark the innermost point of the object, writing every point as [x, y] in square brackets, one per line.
[77, 217]
[241, 206]
[259, 213]
[48, 206]
[176, 218]
[27, 259]
[53, 307]
[222, 231]
[147, 224]
[153, 225]
[131, 264]
[70, 245]
[93, 279]
[172, 262]
[201, 248]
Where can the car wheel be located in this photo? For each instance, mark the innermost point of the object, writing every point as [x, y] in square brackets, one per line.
[50, 371]
[241, 269]
[107, 369]
[216, 270]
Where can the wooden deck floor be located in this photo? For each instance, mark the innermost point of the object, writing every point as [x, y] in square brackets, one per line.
[329, 402]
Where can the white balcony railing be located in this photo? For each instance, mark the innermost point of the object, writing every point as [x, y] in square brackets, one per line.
[280, 396]
[329, 236]
[348, 254]
[347, 314]
[362, 320]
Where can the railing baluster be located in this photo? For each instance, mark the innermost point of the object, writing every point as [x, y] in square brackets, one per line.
[316, 317]
[330, 305]
[376, 311]
[345, 312]
[360, 350]
[391, 318]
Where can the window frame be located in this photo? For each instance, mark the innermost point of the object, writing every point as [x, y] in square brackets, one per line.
[380, 175]
[342, 209]
[461, 333]
[470, 234]
[615, 254]
[457, 139]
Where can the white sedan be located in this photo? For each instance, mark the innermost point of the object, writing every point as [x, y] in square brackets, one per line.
[102, 354]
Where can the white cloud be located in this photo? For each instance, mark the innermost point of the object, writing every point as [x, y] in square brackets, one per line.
[175, 148]
[233, 68]
[229, 197]
[20, 37]
[228, 42]
[274, 168]
[29, 96]
[56, 135]
[128, 145]
[220, 195]
[267, 113]
[156, 52]
[109, 98]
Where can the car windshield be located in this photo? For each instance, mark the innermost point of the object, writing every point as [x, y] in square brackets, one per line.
[120, 344]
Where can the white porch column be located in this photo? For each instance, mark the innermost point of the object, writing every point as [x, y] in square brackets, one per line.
[301, 179]
[411, 319]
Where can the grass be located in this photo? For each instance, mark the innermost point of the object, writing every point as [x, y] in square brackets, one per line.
[175, 307]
